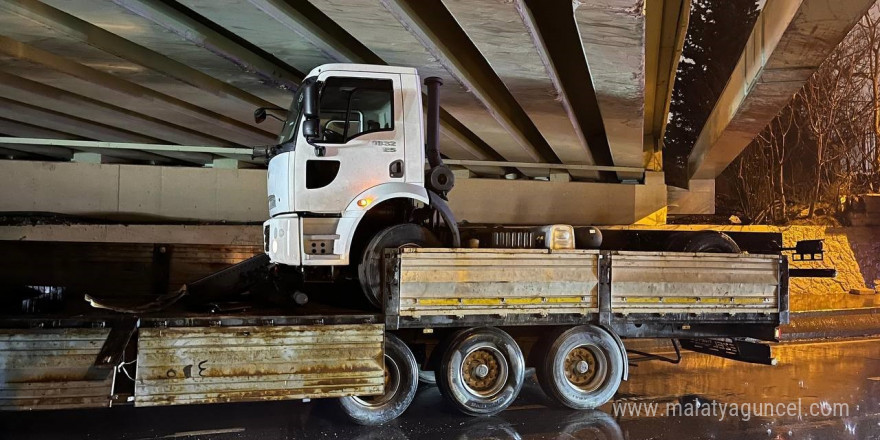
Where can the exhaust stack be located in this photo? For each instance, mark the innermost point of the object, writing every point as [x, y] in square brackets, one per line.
[432, 125]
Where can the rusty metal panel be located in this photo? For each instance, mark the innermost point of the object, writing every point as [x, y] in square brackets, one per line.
[670, 282]
[496, 281]
[234, 364]
[47, 369]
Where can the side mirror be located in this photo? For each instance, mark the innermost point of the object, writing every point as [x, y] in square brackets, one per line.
[260, 115]
[310, 101]
[311, 128]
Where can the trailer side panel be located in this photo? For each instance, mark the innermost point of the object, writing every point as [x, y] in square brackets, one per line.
[233, 364]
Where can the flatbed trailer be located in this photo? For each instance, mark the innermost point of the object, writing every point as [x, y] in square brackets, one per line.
[358, 198]
[476, 317]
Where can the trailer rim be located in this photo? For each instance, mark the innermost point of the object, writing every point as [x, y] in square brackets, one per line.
[484, 371]
[585, 367]
[580, 388]
[486, 343]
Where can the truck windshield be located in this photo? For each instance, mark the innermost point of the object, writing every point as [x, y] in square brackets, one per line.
[291, 125]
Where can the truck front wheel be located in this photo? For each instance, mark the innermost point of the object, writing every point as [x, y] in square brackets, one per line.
[702, 241]
[401, 382]
[482, 371]
[401, 236]
[582, 368]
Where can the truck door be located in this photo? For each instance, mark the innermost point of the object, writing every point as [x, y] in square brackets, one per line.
[362, 132]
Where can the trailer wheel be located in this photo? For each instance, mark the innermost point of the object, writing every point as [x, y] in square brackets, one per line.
[401, 382]
[481, 372]
[401, 236]
[582, 368]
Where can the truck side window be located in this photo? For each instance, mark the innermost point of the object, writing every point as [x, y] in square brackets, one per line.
[351, 107]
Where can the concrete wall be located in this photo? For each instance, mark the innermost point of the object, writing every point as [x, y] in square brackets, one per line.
[578, 203]
[168, 193]
[133, 191]
[235, 235]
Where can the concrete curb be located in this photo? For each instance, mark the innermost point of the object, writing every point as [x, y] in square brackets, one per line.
[827, 324]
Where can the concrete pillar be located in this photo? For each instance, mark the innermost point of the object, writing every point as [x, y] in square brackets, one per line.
[698, 199]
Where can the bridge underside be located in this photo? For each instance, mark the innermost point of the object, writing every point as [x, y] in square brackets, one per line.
[525, 81]
[534, 81]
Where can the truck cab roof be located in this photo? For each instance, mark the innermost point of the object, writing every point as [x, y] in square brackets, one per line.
[375, 68]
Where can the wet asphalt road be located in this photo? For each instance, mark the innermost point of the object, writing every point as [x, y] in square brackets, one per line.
[827, 373]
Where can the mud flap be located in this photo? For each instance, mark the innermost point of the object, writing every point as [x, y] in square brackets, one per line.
[448, 217]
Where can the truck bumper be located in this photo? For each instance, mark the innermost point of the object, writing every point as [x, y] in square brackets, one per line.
[282, 238]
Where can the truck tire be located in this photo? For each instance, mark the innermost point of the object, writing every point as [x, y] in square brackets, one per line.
[582, 367]
[401, 382]
[397, 236]
[703, 241]
[481, 372]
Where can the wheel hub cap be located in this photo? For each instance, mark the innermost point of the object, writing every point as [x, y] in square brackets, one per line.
[483, 371]
[580, 367]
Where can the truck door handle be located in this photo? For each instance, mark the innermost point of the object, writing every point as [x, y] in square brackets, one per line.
[395, 170]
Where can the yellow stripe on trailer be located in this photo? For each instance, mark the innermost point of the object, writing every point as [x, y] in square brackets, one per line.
[564, 299]
[693, 300]
[481, 301]
[538, 300]
[499, 301]
[751, 300]
[662, 299]
[438, 301]
[643, 299]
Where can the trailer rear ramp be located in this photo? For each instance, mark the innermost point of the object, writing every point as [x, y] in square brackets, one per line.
[53, 369]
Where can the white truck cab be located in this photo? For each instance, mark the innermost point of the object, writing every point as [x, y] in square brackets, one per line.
[353, 140]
